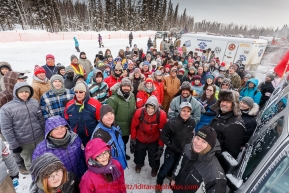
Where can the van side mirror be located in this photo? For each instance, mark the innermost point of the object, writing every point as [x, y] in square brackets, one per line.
[227, 162]
[233, 182]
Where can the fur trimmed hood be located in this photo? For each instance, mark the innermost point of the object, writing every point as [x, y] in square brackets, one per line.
[141, 87]
[231, 96]
[254, 110]
[131, 76]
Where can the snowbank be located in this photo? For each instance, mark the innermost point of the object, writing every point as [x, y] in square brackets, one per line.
[33, 35]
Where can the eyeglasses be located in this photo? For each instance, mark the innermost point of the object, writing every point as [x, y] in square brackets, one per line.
[209, 90]
[57, 173]
[80, 92]
[105, 153]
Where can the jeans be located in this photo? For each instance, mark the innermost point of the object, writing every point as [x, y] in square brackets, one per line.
[171, 161]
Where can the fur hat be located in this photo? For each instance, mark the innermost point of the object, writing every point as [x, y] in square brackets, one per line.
[231, 96]
[186, 86]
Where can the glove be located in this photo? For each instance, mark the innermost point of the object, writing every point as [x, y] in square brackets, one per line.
[159, 153]
[17, 150]
[132, 145]
[17, 176]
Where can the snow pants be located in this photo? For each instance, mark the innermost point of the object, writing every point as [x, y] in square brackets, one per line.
[141, 150]
[7, 185]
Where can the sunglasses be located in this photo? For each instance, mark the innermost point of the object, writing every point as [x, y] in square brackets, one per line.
[80, 92]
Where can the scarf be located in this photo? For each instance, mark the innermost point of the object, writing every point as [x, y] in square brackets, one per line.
[61, 142]
[110, 168]
[79, 103]
[80, 71]
[149, 90]
[58, 91]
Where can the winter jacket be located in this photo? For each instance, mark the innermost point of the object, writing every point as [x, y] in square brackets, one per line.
[68, 82]
[147, 73]
[110, 81]
[235, 80]
[86, 65]
[83, 118]
[186, 78]
[175, 108]
[2, 84]
[171, 85]
[266, 89]
[89, 76]
[98, 91]
[40, 87]
[10, 79]
[254, 93]
[147, 128]
[113, 137]
[71, 155]
[99, 38]
[150, 43]
[136, 82]
[123, 109]
[202, 171]
[203, 78]
[49, 70]
[78, 69]
[75, 42]
[177, 133]
[7, 162]
[21, 122]
[160, 90]
[249, 118]
[52, 104]
[142, 96]
[230, 131]
[71, 186]
[198, 89]
[95, 183]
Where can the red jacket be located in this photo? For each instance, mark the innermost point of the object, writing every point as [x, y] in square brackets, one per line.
[110, 81]
[148, 130]
[160, 90]
[142, 96]
[147, 73]
[92, 182]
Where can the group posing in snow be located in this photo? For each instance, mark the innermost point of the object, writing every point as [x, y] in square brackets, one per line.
[71, 126]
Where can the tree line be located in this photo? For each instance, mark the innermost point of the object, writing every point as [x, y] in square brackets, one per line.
[98, 15]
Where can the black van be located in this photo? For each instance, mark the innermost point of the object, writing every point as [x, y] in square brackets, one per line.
[263, 165]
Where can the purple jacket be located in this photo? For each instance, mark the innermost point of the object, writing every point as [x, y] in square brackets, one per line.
[72, 156]
[99, 38]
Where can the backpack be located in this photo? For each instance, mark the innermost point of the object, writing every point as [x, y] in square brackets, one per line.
[141, 117]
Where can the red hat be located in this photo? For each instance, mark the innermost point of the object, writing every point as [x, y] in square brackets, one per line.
[223, 64]
[168, 66]
[38, 69]
[149, 80]
[49, 56]
[191, 60]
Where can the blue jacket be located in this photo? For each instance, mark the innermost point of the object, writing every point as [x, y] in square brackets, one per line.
[89, 76]
[76, 42]
[254, 93]
[72, 156]
[114, 140]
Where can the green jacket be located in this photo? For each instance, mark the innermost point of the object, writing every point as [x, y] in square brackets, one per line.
[123, 110]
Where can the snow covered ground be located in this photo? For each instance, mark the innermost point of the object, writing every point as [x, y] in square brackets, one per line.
[24, 55]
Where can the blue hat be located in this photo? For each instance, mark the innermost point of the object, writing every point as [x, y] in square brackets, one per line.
[146, 63]
[210, 76]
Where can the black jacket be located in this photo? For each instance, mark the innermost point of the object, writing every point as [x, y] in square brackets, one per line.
[230, 132]
[200, 172]
[265, 87]
[249, 118]
[177, 133]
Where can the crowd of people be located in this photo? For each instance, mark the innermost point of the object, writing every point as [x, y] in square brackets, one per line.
[70, 128]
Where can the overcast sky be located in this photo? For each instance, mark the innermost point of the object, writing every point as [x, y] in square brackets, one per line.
[268, 13]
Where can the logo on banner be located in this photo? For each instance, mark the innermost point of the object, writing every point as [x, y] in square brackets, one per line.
[232, 47]
[202, 45]
[188, 43]
[260, 52]
[243, 58]
[218, 50]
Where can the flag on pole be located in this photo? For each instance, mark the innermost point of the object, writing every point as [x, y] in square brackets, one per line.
[282, 67]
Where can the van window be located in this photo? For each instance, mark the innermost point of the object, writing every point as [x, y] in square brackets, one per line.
[272, 110]
[262, 145]
[275, 180]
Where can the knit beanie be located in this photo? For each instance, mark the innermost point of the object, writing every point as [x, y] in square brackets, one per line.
[38, 69]
[146, 63]
[24, 88]
[149, 80]
[210, 76]
[137, 70]
[186, 86]
[157, 73]
[168, 66]
[248, 76]
[196, 77]
[271, 76]
[49, 56]
[69, 68]
[53, 89]
[57, 77]
[80, 86]
[72, 57]
[44, 165]
[154, 63]
[235, 66]
[125, 82]
[208, 134]
[182, 70]
[248, 100]
[105, 108]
